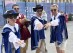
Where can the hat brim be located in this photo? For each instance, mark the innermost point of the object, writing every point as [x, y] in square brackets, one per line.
[35, 9]
[7, 15]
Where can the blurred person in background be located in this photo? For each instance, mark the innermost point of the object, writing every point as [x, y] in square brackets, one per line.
[23, 24]
[66, 15]
[44, 15]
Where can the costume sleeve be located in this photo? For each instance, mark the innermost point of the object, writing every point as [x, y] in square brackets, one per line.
[38, 25]
[55, 22]
[13, 39]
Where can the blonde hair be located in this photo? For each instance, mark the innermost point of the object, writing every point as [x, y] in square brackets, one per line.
[55, 5]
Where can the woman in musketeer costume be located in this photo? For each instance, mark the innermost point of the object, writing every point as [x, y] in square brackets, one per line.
[11, 33]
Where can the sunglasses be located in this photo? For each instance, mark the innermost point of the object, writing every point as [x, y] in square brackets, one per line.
[16, 8]
[53, 9]
[39, 10]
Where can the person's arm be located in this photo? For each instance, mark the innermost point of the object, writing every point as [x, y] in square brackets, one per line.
[16, 41]
[52, 23]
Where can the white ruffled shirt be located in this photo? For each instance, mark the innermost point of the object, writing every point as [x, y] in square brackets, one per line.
[56, 21]
[37, 23]
[12, 37]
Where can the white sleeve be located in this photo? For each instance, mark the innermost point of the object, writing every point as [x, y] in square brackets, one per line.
[37, 23]
[13, 39]
[55, 22]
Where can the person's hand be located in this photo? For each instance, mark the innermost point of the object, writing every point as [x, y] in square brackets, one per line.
[21, 43]
[47, 25]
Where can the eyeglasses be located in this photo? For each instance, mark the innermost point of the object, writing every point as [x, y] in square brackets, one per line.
[40, 10]
[16, 8]
[53, 9]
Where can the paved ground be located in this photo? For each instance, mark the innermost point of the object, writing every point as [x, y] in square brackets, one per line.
[51, 47]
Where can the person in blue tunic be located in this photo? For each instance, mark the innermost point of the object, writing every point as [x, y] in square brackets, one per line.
[37, 30]
[11, 33]
[58, 31]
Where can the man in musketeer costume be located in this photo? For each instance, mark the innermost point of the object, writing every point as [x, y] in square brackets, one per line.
[59, 34]
[37, 30]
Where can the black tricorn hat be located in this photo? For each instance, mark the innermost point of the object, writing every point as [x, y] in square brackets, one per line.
[37, 7]
[9, 13]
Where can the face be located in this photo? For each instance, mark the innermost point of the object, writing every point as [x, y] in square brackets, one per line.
[39, 12]
[16, 8]
[11, 20]
[54, 10]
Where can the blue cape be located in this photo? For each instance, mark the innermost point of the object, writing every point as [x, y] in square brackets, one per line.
[56, 34]
[36, 35]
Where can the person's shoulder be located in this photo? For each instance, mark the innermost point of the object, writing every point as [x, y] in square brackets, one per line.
[6, 26]
[33, 18]
[62, 17]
